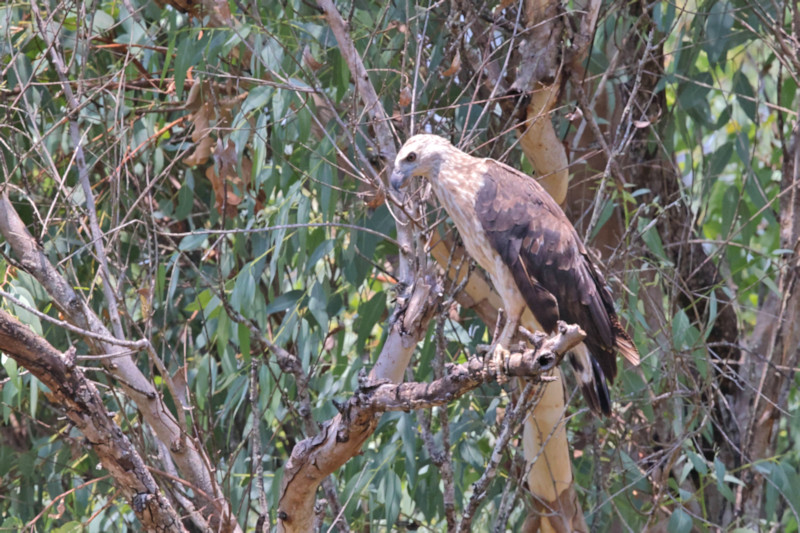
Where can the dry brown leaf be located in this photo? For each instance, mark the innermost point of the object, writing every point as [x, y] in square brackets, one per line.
[455, 65]
[201, 135]
[309, 59]
[60, 508]
[376, 199]
[193, 99]
[405, 96]
[221, 9]
[229, 184]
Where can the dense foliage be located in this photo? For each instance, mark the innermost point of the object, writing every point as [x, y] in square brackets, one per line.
[237, 183]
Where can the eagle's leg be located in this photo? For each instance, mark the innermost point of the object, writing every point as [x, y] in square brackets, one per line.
[497, 356]
[510, 328]
[513, 304]
[513, 317]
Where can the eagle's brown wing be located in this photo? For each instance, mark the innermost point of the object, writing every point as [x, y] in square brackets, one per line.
[549, 262]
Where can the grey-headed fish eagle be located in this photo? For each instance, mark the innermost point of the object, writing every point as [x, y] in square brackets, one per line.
[517, 233]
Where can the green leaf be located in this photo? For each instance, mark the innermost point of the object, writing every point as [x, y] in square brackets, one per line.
[317, 305]
[256, 99]
[69, 527]
[719, 160]
[244, 290]
[272, 55]
[102, 21]
[680, 329]
[325, 248]
[183, 60]
[342, 81]
[680, 522]
[783, 482]
[392, 491]
[730, 204]
[721, 474]
[34, 396]
[712, 314]
[744, 94]
[12, 523]
[223, 334]
[692, 92]
[192, 242]
[407, 429]
[664, 16]
[25, 316]
[652, 239]
[369, 313]
[718, 30]
[185, 201]
[244, 341]
[698, 462]
[173, 284]
[605, 214]
[788, 93]
[283, 302]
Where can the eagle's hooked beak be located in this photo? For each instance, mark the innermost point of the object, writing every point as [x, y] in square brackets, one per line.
[397, 179]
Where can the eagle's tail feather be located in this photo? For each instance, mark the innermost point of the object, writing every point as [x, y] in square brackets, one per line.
[600, 389]
[591, 379]
[624, 343]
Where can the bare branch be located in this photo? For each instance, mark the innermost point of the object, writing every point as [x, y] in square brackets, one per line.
[314, 458]
[141, 344]
[461, 378]
[187, 453]
[83, 171]
[71, 391]
[342, 437]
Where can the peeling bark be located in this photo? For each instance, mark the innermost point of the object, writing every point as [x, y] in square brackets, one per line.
[550, 479]
[187, 453]
[775, 346]
[77, 396]
[342, 437]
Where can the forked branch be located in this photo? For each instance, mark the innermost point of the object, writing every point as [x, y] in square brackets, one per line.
[342, 437]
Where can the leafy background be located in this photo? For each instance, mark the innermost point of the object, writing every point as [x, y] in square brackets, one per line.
[230, 155]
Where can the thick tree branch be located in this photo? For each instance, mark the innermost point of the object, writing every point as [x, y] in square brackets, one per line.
[314, 458]
[342, 437]
[461, 378]
[77, 396]
[776, 339]
[187, 453]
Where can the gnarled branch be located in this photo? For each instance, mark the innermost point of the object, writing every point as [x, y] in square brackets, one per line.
[187, 453]
[342, 437]
[77, 396]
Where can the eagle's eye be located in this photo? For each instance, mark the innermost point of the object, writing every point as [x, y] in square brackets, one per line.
[411, 157]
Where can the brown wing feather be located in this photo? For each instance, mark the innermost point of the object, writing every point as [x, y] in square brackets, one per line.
[549, 262]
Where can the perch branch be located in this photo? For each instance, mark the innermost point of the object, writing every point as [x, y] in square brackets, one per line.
[342, 437]
[461, 378]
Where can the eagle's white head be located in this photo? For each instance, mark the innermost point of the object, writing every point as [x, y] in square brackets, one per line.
[421, 155]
